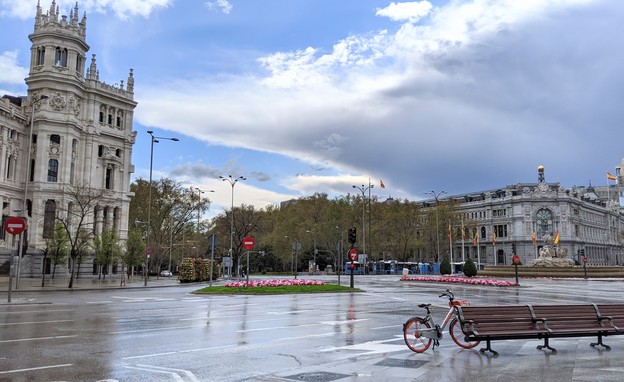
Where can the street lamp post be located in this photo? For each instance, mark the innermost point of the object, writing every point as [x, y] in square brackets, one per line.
[232, 182]
[149, 200]
[363, 190]
[314, 248]
[436, 195]
[29, 173]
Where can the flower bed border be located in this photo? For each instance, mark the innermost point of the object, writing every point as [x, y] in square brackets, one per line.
[273, 283]
[461, 280]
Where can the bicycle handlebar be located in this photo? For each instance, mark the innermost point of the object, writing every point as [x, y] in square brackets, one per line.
[448, 294]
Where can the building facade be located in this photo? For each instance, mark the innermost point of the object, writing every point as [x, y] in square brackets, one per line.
[71, 129]
[520, 219]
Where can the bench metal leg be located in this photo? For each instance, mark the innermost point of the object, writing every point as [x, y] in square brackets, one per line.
[488, 348]
[594, 344]
[547, 346]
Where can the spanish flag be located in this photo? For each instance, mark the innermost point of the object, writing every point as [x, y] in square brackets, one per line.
[381, 184]
[556, 241]
[534, 238]
[475, 240]
[494, 237]
[611, 177]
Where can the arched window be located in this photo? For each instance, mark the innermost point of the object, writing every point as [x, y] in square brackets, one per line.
[40, 55]
[544, 223]
[60, 57]
[49, 219]
[52, 170]
[482, 233]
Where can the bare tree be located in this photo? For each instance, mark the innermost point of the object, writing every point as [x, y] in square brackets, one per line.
[77, 218]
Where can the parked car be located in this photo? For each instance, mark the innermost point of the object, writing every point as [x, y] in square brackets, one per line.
[166, 273]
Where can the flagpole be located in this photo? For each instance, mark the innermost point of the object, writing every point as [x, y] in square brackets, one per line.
[450, 234]
[463, 234]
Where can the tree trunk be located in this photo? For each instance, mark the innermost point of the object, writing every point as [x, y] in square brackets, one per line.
[71, 272]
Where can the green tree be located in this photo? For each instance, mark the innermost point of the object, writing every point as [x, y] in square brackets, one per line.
[445, 267]
[58, 247]
[135, 248]
[107, 251]
[470, 269]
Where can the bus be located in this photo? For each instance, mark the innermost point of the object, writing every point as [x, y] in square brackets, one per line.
[358, 268]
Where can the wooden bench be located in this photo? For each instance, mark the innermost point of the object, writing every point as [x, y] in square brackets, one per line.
[488, 323]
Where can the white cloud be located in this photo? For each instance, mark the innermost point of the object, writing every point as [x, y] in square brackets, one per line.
[12, 73]
[408, 11]
[477, 97]
[224, 6]
[121, 8]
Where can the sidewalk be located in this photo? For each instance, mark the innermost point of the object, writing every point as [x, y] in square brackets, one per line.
[61, 283]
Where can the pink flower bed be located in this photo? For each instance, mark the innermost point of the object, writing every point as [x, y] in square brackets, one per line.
[461, 280]
[273, 283]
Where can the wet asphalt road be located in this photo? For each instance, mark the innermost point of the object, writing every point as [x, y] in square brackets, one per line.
[170, 334]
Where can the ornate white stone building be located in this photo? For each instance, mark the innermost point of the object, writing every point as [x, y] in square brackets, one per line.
[70, 129]
[516, 213]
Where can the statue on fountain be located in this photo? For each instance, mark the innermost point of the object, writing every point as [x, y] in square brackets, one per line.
[551, 255]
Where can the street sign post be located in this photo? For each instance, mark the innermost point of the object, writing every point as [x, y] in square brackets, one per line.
[353, 253]
[248, 243]
[15, 225]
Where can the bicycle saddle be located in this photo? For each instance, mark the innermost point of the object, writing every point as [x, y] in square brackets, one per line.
[424, 305]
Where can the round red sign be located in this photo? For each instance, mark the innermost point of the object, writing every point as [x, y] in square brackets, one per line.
[353, 254]
[516, 259]
[15, 225]
[248, 243]
[585, 259]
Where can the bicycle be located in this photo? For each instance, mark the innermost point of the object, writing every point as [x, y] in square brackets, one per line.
[419, 333]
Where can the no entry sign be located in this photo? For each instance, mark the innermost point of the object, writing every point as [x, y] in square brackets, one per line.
[353, 254]
[248, 243]
[15, 225]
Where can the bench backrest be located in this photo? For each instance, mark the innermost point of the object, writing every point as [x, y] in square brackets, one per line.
[569, 317]
[487, 319]
[615, 311]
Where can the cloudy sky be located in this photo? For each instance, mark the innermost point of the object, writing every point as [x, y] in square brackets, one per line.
[305, 96]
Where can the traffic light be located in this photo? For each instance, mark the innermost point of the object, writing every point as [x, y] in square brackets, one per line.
[582, 252]
[352, 235]
[513, 248]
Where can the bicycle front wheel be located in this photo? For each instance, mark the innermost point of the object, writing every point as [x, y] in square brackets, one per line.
[412, 334]
[459, 337]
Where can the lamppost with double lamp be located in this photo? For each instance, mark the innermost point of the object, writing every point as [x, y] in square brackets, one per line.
[199, 192]
[29, 173]
[233, 182]
[436, 195]
[296, 246]
[363, 190]
[314, 248]
[149, 200]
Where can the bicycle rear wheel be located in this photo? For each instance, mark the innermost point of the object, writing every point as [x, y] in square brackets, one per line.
[459, 337]
[412, 334]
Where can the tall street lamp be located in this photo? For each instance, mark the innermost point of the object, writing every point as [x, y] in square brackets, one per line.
[363, 190]
[436, 195]
[149, 200]
[314, 256]
[233, 182]
[296, 246]
[29, 172]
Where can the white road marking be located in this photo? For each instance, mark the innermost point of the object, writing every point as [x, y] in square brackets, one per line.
[39, 338]
[34, 322]
[159, 329]
[35, 368]
[179, 352]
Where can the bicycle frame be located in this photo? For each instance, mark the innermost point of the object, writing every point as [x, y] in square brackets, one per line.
[420, 332]
[436, 331]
